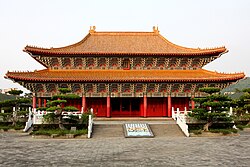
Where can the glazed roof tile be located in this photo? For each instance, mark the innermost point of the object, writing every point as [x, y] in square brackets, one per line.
[199, 75]
[131, 43]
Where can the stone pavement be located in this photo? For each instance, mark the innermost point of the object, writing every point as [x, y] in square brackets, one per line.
[20, 149]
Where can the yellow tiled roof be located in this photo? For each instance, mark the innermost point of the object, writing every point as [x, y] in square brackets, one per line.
[200, 75]
[130, 43]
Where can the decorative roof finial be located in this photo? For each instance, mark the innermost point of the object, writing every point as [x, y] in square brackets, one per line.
[92, 29]
[155, 29]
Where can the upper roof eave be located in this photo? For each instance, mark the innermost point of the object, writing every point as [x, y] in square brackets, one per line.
[134, 43]
[123, 76]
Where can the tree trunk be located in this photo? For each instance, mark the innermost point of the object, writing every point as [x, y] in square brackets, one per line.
[14, 118]
[206, 126]
[60, 123]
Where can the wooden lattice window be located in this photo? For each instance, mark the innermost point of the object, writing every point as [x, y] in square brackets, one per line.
[54, 62]
[90, 62]
[39, 88]
[149, 62]
[126, 88]
[172, 62]
[78, 62]
[160, 62]
[89, 88]
[102, 62]
[137, 63]
[101, 88]
[63, 85]
[66, 62]
[126, 64]
[114, 88]
[114, 62]
[151, 88]
[51, 87]
[76, 88]
[163, 88]
[139, 87]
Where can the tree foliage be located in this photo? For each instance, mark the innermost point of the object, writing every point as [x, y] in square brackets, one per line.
[243, 106]
[213, 108]
[19, 102]
[15, 92]
[57, 105]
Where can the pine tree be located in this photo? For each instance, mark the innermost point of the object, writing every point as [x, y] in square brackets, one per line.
[17, 103]
[243, 106]
[57, 104]
[213, 108]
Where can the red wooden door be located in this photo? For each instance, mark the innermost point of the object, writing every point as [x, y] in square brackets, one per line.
[181, 103]
[155, 107]
[99, 106]
[125, 107]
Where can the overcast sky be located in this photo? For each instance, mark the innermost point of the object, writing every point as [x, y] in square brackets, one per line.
[189, 23]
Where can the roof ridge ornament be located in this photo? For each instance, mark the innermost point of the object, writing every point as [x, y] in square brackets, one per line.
[155, 29]
[92, 29]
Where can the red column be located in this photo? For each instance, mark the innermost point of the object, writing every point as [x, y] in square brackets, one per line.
[83, 103]
[192, 102]
[164, 107]
[44, 102]
[108, 106]
[145, 106]
[39, 102]
[169, 106]
[34, 101]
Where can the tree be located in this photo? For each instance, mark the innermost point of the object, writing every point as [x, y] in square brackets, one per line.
[243, 106]
[18, 102]
[56, 106]
[213, 108]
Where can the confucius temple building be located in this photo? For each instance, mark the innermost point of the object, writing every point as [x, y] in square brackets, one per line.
[124, 74]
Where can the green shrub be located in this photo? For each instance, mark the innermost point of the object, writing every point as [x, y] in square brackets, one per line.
[49, 117]
[197, 132]
[240, 127]
[59, 132]
[224, 131]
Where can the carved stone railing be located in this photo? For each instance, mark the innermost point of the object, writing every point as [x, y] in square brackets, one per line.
[180, 117]
[38, 115]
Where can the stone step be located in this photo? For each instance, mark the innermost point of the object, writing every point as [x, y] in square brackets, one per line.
[116, 130]
[169, 130]
[107, 130]
[133, 119]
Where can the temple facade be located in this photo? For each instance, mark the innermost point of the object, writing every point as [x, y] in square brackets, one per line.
[131, 74]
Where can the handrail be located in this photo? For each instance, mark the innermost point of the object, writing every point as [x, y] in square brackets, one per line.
[180, 117]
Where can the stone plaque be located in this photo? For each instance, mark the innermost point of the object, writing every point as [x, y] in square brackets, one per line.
[137, 130]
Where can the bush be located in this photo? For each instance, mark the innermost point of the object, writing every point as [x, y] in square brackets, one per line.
[49, 117]
[59, 132]
[224, 131]
[197, 132]
[240, 127]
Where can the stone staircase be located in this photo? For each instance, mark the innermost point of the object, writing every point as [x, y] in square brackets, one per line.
[109, 128]
[166, 130]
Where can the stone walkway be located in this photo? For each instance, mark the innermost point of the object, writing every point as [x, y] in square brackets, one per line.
[20, 149]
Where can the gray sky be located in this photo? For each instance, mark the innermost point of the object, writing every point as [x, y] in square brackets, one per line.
[189, 23]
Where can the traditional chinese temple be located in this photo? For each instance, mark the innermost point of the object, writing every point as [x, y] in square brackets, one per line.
[131, 74]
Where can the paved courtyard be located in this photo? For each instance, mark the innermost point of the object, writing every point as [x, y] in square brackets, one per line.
[19, 149]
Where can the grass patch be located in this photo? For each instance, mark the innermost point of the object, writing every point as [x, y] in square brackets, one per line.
[196, 132]
[49, 132]
[6, 128]
[224, 131]
[241, 127]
